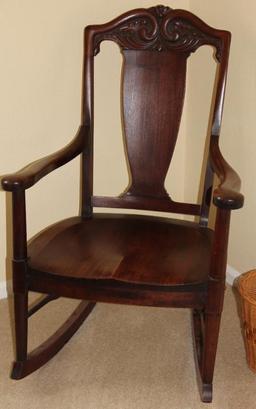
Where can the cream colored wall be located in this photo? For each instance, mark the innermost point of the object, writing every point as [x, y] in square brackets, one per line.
[238, 136]
[40, 86]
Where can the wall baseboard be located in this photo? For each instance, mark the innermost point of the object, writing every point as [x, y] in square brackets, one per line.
[3, 289]
[232, 274]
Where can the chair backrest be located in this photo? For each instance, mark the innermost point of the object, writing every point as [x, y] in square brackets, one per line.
[155, 44]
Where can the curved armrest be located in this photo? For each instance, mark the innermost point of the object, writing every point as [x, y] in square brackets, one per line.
[30, 174]
[227, 194]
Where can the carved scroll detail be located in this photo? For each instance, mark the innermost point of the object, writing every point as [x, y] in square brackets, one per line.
[160, 11]
[158, 29]
[181, 35]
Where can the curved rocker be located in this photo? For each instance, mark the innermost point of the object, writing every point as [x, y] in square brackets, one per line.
[198, 332]
[43, 353]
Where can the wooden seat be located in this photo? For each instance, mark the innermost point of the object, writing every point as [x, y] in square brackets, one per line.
[133, 249]
[128, 259]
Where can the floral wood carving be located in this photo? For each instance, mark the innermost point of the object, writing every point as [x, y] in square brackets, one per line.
[157, 29]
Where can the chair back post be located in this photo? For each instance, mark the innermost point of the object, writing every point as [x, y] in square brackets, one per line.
[207, 195]
[87, 120]
[215, 121]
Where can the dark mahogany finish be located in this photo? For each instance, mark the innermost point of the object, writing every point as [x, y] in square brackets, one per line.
[146, 133]
[123, 248]
[137, 260]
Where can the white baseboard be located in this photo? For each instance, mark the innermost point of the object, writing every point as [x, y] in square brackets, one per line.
[231, 275]
[3, 290]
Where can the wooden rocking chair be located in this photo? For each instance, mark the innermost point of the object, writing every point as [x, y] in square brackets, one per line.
[128, 259]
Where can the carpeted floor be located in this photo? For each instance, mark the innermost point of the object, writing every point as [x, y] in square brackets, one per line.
[126, 358]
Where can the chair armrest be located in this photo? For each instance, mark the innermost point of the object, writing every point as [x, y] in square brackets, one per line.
[227, 194]
[32, 173]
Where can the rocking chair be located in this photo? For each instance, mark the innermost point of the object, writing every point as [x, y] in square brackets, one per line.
[133, 259]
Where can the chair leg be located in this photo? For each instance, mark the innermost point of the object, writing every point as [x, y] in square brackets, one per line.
[21, 331]
[205, 334]
[212, 326]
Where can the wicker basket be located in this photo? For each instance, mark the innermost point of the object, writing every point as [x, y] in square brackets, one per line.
[247, 290]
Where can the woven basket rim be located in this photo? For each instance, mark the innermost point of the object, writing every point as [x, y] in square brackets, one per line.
[246, 283]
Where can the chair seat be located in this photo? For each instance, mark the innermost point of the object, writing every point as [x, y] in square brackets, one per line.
[125, 248]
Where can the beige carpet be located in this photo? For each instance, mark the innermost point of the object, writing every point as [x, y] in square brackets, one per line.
[126, 358]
